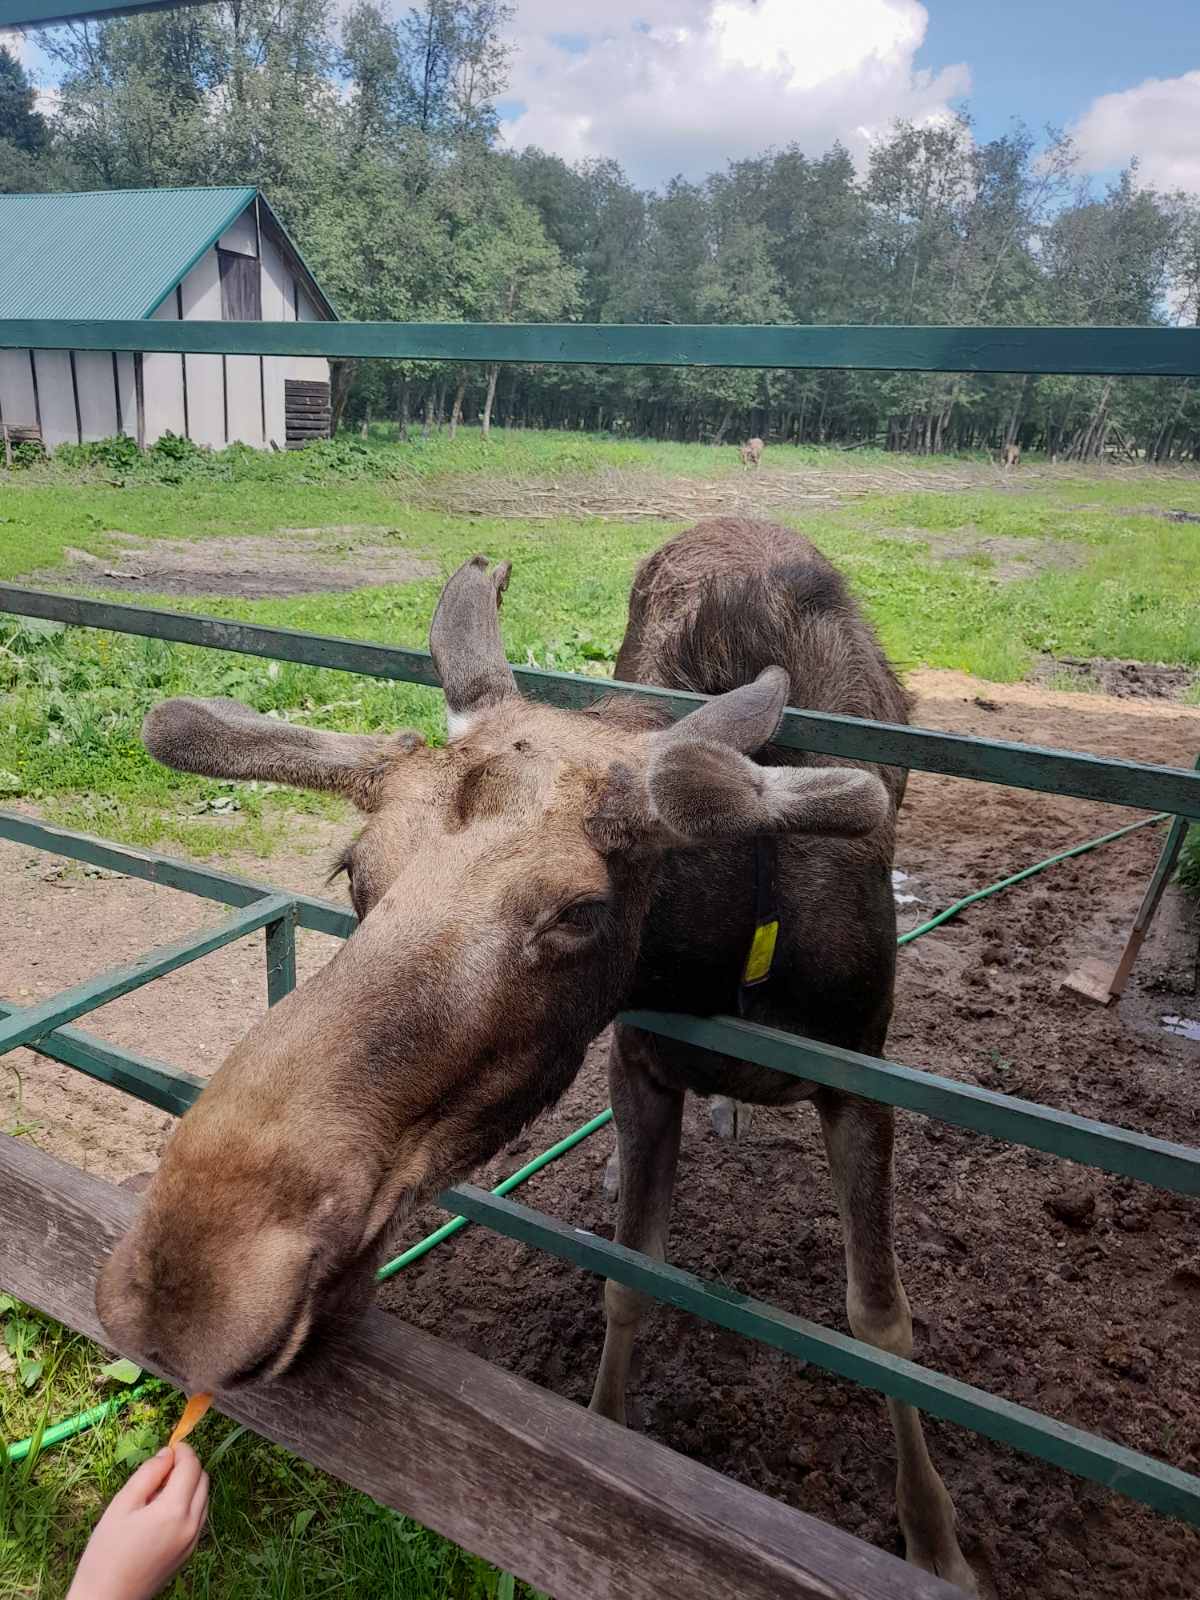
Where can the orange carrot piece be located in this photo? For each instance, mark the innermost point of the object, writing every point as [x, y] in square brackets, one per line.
[192, 1412]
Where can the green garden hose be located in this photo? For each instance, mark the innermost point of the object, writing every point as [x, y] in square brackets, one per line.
[87, 1419]
[72, 1425]
[423, 1246]
[1050, 861]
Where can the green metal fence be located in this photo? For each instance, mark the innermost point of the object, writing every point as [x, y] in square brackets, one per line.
[47, 1028]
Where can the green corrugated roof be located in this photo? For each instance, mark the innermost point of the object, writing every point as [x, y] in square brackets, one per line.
[115, 253]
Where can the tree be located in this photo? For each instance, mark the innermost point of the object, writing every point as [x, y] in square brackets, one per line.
[457, 65]
[21, 125]
[516, 274]
[738, 285]
[372, 59]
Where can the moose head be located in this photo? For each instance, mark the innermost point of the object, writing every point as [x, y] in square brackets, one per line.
[501, 883]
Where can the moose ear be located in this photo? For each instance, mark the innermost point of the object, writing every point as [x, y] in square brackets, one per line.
[465, 642]
[225, 739]
[746, 718]
[702, 793]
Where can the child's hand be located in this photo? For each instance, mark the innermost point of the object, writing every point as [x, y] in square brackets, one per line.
[150, 1529]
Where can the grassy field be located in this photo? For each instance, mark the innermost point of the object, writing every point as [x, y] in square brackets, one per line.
[989, 579]
[958, 567]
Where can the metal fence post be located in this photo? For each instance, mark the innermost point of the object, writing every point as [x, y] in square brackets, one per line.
[281, 956]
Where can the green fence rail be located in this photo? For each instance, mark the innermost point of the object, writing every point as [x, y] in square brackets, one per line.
[50, 13]
[1126, 352]
[1113, 1149]
[45, 1027]
[1022, 766]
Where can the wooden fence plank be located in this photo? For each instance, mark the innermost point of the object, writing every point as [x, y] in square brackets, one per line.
[1129, 783]
[55, 13]
[1153, 352]
[571, 1503]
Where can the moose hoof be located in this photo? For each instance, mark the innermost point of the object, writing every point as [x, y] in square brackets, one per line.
[948, 1564]
[612, 1176]
[730, 1119]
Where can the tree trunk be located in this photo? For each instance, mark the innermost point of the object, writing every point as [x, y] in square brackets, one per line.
[341, 379]
[719, 436]
[1014, 421]
[402, 411]
[485, 420]
[456, 411]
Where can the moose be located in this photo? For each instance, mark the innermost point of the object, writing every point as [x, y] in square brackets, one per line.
[516, 888]
[751, 452]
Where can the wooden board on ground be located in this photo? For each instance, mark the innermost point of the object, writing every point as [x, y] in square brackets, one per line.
[573, 1504]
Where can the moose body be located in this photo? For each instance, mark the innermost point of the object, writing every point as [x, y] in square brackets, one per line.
[751, 452]
[515, 890]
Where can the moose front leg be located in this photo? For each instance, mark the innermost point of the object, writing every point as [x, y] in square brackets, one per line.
[648, 1117]
[858, 1141]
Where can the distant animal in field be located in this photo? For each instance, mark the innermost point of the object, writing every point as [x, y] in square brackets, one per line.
[1010, 456]
[751, 452]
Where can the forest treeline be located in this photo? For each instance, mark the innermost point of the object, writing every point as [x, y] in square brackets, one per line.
[376, 138]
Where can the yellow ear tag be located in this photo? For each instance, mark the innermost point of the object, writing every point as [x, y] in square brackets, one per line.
[762, 953]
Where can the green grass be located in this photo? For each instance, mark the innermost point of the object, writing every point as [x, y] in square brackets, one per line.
[1117, 582]
[277, 1526]
[1107, 577]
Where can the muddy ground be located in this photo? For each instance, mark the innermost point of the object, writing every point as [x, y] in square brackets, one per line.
[1053, 1285]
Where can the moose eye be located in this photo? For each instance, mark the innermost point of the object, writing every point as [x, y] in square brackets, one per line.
[582, 916]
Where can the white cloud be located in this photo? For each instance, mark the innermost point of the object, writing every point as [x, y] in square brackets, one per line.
[672, 86]
[14, 42]
[1157, 122]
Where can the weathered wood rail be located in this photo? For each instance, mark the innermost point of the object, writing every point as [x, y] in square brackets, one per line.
[572, 1503]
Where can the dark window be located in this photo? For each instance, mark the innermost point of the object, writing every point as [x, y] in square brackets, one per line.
[241, 289]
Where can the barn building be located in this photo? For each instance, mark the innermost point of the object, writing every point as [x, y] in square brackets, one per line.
[208, 254]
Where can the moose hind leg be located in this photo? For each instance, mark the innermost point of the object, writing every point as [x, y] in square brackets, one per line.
[649, 1117]
[858, 1141]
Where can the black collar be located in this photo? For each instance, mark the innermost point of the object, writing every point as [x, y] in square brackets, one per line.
[761, 955]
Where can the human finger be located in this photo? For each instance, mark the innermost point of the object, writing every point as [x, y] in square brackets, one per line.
[181, 1485]
[145, 1483]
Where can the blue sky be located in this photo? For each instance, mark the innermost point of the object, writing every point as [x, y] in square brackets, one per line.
[1048, 61]
[683, 86]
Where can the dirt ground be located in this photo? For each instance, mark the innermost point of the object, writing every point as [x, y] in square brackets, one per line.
[293, 561]
[1056, 1286]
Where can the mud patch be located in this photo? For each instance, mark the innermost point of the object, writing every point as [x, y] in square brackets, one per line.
[1145, 511]
[1126, 680]
[1007, 560]
[294, 561]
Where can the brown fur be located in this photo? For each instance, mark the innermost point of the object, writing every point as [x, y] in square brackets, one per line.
[751, 452]
[1011, 455]
[515, 889]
